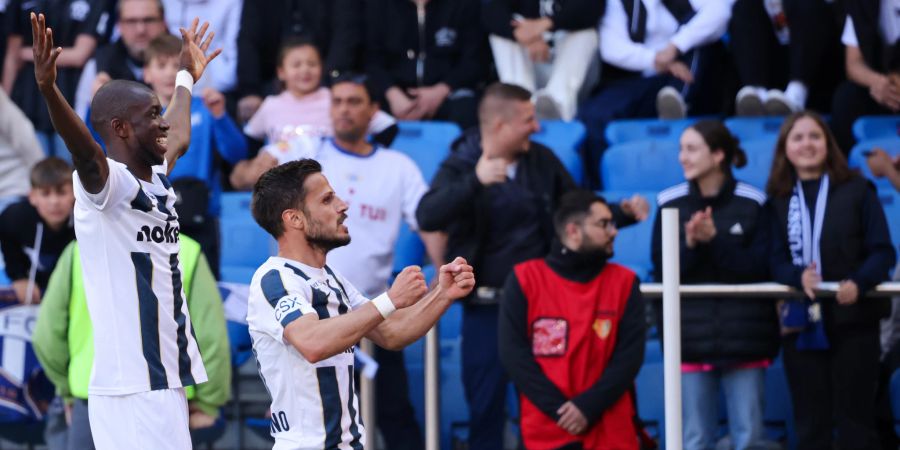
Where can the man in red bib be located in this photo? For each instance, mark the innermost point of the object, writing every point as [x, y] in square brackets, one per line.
[572, 334]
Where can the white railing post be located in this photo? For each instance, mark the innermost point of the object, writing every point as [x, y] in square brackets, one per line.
[671, 328]
[432, 390]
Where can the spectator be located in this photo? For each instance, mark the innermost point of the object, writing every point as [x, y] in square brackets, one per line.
[304, 105]
[561, 34]
[725, 342]
[828, 226]
[78, 32]
[652, 57]
[224, 16]
[34, 232]
[63, 342]
[334, 26]
[494, 196]
[425, 58]
[382, 188]
[788, 42]
[872, 53]
[572, 335]
[139, 22]
[19, 152]
[212, 133]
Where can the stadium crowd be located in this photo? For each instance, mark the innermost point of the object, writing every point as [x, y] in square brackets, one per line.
[336, 80]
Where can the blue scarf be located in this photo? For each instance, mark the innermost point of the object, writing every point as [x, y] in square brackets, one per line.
[804, 232]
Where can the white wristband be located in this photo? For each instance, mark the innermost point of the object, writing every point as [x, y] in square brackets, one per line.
[384, 305]
[185, 79]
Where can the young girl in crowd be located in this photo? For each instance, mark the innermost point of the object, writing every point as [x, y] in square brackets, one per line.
[303, 106]
[828, 225]
[725, 341]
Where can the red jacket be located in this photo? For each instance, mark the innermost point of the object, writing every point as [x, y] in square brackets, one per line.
[572, 328]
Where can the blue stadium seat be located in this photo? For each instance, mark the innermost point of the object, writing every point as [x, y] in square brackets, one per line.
[894, 390]
[890, 201]
[874, 127]
[857, 159]
[752, 128]
[565, 139]
[649, 165]
[622, 131]
[759, 161]
[632, 247]
[649, 387]
[428, 144]
[245, 246]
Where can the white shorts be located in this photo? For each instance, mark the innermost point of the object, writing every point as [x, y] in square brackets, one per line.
[155, 420]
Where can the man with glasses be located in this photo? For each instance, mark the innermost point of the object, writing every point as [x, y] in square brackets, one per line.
[139, 22]
[572, 334]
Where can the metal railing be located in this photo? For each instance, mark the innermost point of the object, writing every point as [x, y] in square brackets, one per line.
[670, 291]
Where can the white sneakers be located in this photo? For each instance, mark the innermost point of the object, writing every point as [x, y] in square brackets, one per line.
[757, 101]
[670, 104]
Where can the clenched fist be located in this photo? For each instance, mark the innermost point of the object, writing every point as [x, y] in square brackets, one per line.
[408, 287]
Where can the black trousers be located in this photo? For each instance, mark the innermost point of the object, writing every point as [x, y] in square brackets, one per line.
[851, 101]
[813, 55]
[834, 391]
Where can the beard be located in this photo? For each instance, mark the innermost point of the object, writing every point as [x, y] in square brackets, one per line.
[593, 250]
[318, 238]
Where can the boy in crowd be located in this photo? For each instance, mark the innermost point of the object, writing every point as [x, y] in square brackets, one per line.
[34, 231]
[212, 132]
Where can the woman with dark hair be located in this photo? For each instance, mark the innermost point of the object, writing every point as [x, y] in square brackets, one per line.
[725, 341]
[827, 225]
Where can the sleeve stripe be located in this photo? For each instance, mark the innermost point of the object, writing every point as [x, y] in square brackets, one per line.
[290, 317]
[273, 287]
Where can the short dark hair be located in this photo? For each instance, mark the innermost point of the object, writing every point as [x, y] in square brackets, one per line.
[574, 206]
[163, 46]
[159, 4]
[279, 189]
[358, 79]
[291, 43]
[113, 100]
[495, 98]
[51, 172]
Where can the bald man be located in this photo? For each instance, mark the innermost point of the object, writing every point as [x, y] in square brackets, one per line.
[144, 347]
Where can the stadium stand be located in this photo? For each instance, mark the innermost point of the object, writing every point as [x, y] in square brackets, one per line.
[647, 165]
[565, 139]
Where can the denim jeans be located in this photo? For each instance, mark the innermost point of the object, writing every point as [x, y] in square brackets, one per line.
[744, 400]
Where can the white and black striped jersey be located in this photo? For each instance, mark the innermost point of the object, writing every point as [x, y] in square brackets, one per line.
[314, 405]
[128, 240]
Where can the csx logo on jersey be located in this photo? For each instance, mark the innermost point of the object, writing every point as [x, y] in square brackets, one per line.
[285, 306]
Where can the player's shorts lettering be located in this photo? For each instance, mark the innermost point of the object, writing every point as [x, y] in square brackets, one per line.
[280, 422]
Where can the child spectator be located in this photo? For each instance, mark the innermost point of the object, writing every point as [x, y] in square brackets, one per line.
[828, 225]
[304, 105]
[212, 133]
[725, 342]
[35, 231]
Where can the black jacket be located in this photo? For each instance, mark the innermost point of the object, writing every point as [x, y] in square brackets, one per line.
[334, 26]
[458, 204]
[855, 245]
[18, 230]
[566, 14]
[523, 369]
[866, 23]
[113, 59]
[723, 330]
[451, 44]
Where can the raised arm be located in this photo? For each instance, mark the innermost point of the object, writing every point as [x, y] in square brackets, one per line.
[194, 60]
[87, 156]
